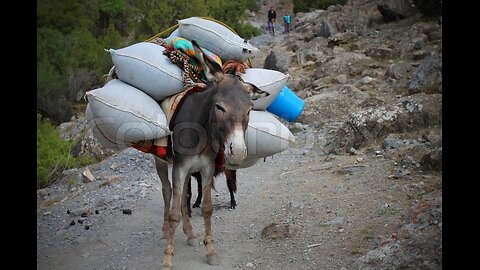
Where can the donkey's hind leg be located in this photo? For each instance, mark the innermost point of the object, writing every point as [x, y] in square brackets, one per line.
[162, 170]
[231, 176]
[198, 176]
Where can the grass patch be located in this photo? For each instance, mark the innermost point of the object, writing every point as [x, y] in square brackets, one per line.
[389, 211]
[357, 251]
[367, 236]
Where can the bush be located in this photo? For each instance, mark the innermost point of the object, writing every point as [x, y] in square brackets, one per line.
[429, 8]
[246, 30]
[307, 5]
[53, 153]
[253, 5]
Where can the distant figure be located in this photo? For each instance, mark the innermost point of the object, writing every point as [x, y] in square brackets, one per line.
[287, 21]
[272, 15]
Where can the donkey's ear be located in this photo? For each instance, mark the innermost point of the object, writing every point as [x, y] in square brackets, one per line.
[213, 71]
[255, 92]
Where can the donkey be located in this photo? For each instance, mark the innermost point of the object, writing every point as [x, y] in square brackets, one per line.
[206, 124]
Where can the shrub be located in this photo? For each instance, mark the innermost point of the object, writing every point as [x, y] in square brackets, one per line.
[253, 5]
[53, 153]
[246, 30]
[429, 8]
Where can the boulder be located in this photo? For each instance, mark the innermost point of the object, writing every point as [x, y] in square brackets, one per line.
[341, 64]
[398, 71]
[375, 124]
[428, 76]
[341, 38]
[379, 52]
[432, 161]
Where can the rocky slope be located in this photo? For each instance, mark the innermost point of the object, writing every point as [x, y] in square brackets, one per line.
[360, 189]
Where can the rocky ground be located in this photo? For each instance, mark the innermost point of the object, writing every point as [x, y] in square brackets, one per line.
[361, 188]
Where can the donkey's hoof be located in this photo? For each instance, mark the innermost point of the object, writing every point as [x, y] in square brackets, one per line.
[193, 241]
[213, 259]
[166, 265]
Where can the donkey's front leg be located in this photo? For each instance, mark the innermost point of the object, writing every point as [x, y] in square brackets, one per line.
[187, 226]
[207, 209]
[178, 177]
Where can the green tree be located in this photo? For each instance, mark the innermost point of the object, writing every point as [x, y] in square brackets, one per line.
[72, 36]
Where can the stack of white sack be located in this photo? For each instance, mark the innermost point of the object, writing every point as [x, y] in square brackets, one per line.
[123, 114]
[127, 110]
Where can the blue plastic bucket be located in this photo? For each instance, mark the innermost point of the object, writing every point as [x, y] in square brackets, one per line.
[287, 105]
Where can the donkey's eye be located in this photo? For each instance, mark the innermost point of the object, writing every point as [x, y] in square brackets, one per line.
[220, 108]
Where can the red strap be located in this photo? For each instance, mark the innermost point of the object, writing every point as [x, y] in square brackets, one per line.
[160, 151]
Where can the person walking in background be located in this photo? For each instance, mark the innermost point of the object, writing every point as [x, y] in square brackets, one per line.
[287, 21]
[272, 15]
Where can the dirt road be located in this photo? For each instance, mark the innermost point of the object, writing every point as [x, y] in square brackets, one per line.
[329, 210]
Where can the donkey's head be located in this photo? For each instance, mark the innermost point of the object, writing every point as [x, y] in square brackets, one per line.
[232, 103]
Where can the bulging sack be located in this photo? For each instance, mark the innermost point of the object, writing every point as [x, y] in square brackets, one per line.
[267, 80]
[216, 38]
[124, 114]
[102, 139]
[266, 136]
[144, 66]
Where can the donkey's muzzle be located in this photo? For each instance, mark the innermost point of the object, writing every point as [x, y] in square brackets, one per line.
[235, 148]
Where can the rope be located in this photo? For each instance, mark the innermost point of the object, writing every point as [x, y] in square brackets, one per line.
[172, 28]
[163, 33]
[169, 30]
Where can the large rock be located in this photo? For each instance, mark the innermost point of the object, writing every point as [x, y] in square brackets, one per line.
[379, 52]
[374, 124]
[397, 71]
[353, 18]
[341, 38]
[331, 104]
[315, 50]
[427, 77]
[341, 64]
[324, 28]
[279, 62]
[420, 36]
[432, 161]
[280, 230]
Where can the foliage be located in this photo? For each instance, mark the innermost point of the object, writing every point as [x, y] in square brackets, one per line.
[307, 5]
[430, 8]
[246, 30]
[253, 5]
[53, 153]
[72, 36]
